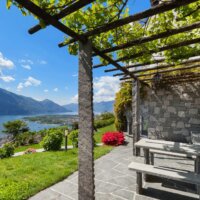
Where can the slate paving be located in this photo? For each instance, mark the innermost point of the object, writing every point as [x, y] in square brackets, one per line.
[114, 181]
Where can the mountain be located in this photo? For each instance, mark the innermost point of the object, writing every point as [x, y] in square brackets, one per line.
[13, 104]
[104, 106]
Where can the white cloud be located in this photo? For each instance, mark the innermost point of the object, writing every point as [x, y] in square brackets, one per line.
[74, 99]
[7, 78]
[42, 62]
[26, 61]
[75, 75]
[28, 67]
[5, 63]
[105, 88]
[55, 89]
[20, 87]
[46, 91]
[30, 81]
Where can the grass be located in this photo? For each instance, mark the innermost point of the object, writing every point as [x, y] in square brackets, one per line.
[24, 176]
[97, 136]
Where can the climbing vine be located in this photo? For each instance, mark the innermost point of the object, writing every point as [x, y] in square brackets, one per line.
[123, 101]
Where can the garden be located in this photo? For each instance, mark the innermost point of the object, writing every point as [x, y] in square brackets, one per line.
[32, 172]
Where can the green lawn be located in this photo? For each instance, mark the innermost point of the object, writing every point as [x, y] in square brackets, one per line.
[24, 176]
[97, 137]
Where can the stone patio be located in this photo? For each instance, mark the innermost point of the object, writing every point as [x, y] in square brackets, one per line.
[115, 182]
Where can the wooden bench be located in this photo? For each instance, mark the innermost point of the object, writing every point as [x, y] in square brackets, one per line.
[187, 177]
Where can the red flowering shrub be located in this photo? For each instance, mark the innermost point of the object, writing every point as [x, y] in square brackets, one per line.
[30, 150]
[113, 138]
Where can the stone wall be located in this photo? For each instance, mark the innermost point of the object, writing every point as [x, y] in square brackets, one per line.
[172, 113]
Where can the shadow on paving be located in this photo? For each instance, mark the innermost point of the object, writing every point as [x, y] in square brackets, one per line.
[164, 195]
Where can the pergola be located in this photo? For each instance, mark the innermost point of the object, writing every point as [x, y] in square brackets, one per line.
[139, 75]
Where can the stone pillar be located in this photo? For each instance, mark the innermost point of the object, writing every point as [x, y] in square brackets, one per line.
[136, 115]
[86, 185]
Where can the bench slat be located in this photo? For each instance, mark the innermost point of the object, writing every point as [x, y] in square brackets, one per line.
[188, 177]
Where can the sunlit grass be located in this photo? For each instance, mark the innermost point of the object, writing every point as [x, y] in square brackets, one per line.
[24, 176]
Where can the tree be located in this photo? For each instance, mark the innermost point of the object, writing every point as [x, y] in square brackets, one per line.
[15, 127]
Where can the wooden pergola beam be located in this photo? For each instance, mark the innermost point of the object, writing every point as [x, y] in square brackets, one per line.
[67, 11]
[36, 10]
[118, 66]
[54, 22]
[155, 61]
[135, 65]
[170, 70]
[162, 66]
[165, 6]
[176, 78]
[160, 49]
[151, 38]
[183, 81]
[164, 71]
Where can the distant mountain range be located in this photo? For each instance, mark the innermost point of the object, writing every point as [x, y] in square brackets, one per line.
[104, 106]
[13, 104]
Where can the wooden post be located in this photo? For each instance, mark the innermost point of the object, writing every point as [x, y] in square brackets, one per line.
[66, 139]
[86, 186]
[136, 115]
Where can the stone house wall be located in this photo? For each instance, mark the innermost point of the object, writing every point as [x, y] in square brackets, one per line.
[172, 113]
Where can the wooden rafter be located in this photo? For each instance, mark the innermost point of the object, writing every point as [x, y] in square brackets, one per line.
[67, 11]
[165, 6]
[176, 77]
[143, 40]
[114, 63]
[165, 71]
[171, 70]
[160, 49]
[164, 66]
[36, 10]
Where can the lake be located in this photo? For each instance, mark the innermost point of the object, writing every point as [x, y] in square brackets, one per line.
[34, 126]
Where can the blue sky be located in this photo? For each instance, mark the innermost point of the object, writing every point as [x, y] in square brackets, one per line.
[34, 66]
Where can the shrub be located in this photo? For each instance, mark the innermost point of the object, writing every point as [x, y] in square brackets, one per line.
[53, 140]
[113, 138]
[73, 136]
[6, 151]
[30, 151]
[103, 123]
[24, 138]
[106, 115]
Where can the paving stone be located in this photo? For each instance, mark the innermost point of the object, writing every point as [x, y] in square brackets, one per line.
[49, 195]
[114, 181]
[125, 194]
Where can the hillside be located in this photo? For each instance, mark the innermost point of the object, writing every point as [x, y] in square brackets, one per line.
[13, 104]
